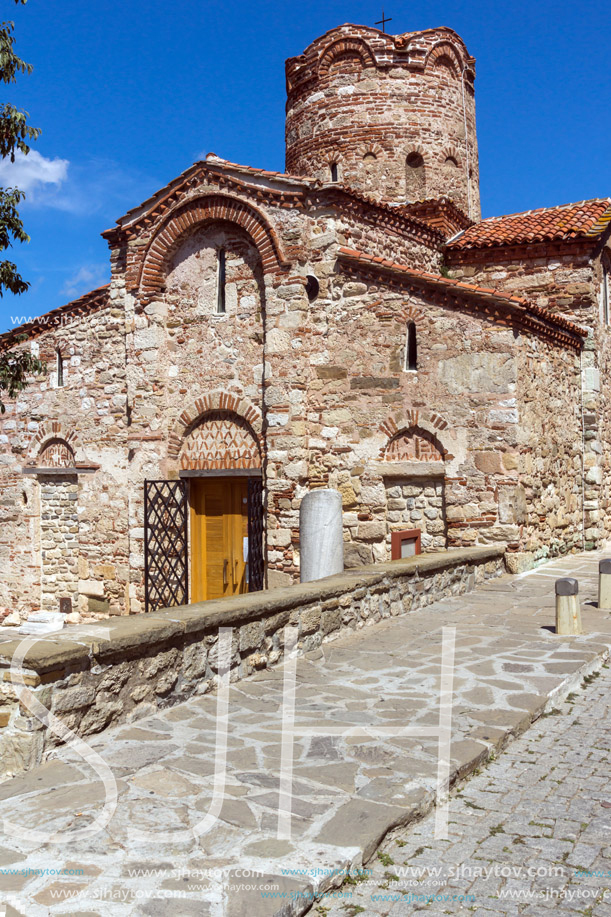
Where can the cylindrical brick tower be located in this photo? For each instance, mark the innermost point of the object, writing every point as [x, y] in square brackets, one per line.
[392, 116]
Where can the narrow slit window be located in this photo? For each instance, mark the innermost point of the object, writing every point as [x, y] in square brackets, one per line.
[60, 370]
[606, 294]
[220, 298]
[334, 171]
[411, 348]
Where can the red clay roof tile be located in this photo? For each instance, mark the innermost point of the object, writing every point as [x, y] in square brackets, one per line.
[85, 304]
[467, 288]
[586, 219]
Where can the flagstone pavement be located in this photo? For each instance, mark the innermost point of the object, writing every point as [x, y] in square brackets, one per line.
[159, 854]
[530, 835]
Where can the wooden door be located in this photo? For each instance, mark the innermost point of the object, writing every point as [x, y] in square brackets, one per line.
[219, 526]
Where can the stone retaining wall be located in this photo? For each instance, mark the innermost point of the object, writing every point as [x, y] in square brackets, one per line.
[136, 665]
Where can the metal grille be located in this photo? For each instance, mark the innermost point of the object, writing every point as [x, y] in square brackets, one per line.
[166, 553]
[255, 535]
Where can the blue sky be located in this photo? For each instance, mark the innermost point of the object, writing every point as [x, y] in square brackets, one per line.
[128, 94]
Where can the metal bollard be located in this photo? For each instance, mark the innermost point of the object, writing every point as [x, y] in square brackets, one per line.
[568, 613]
[604, 583]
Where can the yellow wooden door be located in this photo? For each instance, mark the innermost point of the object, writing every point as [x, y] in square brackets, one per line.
[219, 525]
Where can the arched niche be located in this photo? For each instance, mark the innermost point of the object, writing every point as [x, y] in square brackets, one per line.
[414, 445]
[415, 176]
[220, 441]
[413, 471]
[56, 453]
[218, 269]
[180, 223]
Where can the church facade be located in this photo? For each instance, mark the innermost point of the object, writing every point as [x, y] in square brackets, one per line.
[351, 323]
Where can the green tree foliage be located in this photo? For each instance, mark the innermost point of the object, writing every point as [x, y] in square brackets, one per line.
[15, 134]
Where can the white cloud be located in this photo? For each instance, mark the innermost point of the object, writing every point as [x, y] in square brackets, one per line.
[33, 172]
[96, 185]
[85, 279]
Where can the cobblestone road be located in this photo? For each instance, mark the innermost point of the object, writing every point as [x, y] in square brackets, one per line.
[529, 835]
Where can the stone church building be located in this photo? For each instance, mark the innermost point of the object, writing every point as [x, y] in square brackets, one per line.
[351, 323]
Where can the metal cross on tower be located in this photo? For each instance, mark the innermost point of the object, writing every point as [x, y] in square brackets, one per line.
[383, 21]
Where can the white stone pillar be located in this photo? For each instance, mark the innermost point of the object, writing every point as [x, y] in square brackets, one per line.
[604, 583]
[568, 613]
[321, 537]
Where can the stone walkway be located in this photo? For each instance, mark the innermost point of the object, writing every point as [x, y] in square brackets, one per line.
[348, 791]
[531, 835]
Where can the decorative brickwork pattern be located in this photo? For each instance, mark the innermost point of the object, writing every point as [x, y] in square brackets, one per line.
[413, 446]
[345, 50]
[181, 365]
[56, 454]
[428, 422]
[220, 441]
[52, 431]
[400, 96]
[444, 54]
[440, 213]
[238, 409]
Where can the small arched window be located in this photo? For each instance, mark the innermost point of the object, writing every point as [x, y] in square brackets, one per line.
[369, 157]
[334, 172]
[221, 281]
[411, 349]
[451, 161]
[415, 177]
[60, 369]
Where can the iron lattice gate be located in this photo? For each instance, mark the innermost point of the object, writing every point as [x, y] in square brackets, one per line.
[166, 546]
[255, 535]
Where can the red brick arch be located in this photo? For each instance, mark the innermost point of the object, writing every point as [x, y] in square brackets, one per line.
[51, 431]
[444, 52]
[212, 403]
[370, 147]
[331, 156]
[418, 423]
[450, 152]
[411, 314]
[185, 218]
[342, 46]
[414, 444]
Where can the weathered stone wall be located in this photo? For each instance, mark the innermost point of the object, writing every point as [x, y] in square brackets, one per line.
[567, 281]
[59, 527]
[150, 663]
[86, 419]
[598, 432]
[180, 348]
[389, 112]
[545, 504]
[309, 389]
[406, 247]
[417, 505]
[465, 401]
[559, 278]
